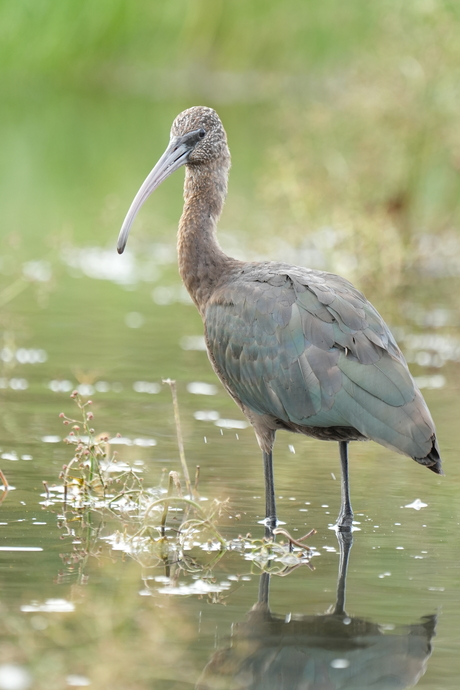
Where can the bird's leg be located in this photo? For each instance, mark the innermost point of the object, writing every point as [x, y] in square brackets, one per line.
[345, 519]
[270, 507]
[345, 540]
[264, 589]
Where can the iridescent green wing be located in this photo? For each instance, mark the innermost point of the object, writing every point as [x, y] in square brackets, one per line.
[306, 347]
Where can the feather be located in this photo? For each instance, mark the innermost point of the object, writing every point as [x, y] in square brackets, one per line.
[386, 379]
[305, 347]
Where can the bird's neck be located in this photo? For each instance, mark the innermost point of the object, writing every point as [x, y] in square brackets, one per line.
[202, 263]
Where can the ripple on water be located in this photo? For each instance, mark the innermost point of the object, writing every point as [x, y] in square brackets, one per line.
[431, 349]
[14, 677]
[16, 384]
[206, 415]
[49, 606]
[231, 423]
[134, 319]
[436, 381]
[77, 681]
[58, 386]
[416, 505]
[197, 587]
[200, 388]
[20, 548]
[146, 387]
[165, 295]
[193, 342]
[23, 355]
[51, 439]
[103, 264]
[10, 456]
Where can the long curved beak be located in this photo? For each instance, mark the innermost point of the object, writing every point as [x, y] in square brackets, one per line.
[175, 155]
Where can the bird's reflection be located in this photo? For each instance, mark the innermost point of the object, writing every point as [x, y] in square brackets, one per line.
[333, 651]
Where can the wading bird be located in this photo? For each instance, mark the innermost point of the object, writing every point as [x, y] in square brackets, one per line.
[297, 349]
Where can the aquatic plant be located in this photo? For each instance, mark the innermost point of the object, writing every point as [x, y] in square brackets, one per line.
[106, 507]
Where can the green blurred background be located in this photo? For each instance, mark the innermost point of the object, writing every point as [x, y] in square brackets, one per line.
[343, 123]
[340, 116]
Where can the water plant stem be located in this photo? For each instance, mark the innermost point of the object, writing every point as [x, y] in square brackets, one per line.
[180, 442]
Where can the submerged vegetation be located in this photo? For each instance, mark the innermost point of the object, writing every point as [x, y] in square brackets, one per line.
[105, 507]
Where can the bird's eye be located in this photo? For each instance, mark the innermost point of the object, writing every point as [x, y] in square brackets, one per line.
[201, 133]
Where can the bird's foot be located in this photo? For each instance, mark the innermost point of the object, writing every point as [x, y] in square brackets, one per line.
[344, 522]
[345, 540]
[270, 523]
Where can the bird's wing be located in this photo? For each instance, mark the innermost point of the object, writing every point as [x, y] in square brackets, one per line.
[308, 348]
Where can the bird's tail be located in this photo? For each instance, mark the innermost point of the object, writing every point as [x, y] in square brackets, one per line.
[433, 460]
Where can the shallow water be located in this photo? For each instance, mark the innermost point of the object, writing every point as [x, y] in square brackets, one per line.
[75, 612]
[105, 621]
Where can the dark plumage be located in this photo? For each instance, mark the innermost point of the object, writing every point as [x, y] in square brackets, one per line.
[297, 349]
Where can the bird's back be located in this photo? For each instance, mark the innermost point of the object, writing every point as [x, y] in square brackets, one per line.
[304, 350]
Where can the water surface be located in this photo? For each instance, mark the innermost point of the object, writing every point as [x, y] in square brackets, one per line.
[75, 612]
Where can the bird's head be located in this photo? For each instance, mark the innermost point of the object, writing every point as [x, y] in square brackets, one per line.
[205, 122]
[197, 138]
